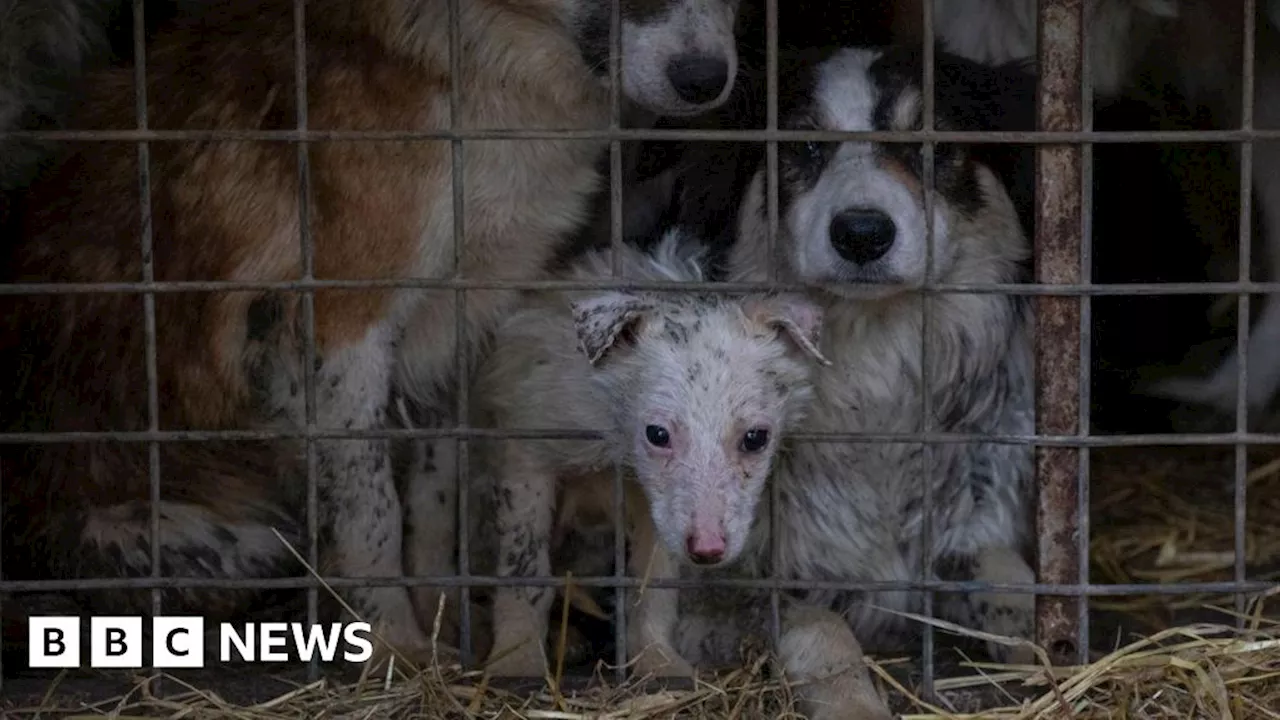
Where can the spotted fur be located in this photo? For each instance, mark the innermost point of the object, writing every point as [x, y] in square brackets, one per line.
[706, 370]
[854, 511]
[230, 211]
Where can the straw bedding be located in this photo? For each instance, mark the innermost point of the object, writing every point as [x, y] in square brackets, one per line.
[1158, 516]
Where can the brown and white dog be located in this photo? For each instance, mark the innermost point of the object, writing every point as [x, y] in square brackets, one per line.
[230, 211]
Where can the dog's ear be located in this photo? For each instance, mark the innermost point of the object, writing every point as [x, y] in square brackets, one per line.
[796, 315]
[606, 320]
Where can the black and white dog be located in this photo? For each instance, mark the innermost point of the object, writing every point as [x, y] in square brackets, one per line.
[853, 226]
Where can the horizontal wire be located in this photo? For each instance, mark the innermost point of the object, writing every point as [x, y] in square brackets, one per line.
[1027, 137]
[609, 581]
[853, 437]
[1012, 289]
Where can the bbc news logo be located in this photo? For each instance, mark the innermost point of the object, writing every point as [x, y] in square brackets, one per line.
[178, 642]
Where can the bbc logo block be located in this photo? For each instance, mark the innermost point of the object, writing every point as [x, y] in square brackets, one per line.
[54, 642]
[115, 642]
[179, 642]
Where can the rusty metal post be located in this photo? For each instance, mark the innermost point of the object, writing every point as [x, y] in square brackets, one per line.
[1058, 261]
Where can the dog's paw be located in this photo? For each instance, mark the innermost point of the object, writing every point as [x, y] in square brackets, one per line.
[1010, 615]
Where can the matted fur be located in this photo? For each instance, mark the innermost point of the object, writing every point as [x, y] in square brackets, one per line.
[229, 211]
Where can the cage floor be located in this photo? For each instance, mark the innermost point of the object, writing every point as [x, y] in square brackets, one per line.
[1160, 515]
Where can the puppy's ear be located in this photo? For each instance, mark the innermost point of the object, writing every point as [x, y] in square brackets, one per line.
[795, 315]
[607, 320]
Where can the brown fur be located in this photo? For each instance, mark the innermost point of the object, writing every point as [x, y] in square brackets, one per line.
[229, 211]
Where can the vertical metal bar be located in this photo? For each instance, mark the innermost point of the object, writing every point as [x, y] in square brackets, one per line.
[148, 298]
[771, 240]
[1086, 347]
[615, 241]
[460, 330]
[1242, 299]
[308, 313]
[1057, 261]
[927, 151]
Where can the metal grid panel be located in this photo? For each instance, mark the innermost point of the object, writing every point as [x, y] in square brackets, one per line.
[1063, 290]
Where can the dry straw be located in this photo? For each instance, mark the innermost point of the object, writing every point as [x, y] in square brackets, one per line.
[1201, 671]
[1156, 517]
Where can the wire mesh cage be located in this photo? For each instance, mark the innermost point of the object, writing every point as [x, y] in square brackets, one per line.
[1064, 292]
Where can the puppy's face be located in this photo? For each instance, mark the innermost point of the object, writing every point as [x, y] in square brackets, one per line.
[679, 57]
[853, 213]
[704, 389]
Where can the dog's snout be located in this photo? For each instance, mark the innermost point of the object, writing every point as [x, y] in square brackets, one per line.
[862, 235]
[705, 549]
[698, 79]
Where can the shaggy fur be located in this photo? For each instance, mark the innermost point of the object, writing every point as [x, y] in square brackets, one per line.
[852, 226]
[694, 393]
[230, 211]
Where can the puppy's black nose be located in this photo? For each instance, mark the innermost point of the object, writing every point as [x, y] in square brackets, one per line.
[698, 79]
[862, 235]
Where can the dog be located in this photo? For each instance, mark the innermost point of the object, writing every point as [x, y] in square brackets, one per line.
[695, 394]
[230, 211]
[852, 226]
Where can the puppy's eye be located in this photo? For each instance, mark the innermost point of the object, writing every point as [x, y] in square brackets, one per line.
[755, 440]
[657, 436]
[813, 151]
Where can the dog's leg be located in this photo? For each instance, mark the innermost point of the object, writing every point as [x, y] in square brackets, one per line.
[431, 524]
[360, 507]
[526, 508]
[1007, 614]
[650, 633]
[817, 648]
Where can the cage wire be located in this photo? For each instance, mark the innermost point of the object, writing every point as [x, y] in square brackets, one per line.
[1062, 288]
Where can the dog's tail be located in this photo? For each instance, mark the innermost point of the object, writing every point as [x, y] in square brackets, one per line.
[45, 47]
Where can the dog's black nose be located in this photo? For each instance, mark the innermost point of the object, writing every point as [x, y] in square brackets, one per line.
[698, 79]
[862, 235]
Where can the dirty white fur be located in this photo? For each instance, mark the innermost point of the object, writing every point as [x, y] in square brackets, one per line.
[720, 377]
[853, 511]
[999, 31]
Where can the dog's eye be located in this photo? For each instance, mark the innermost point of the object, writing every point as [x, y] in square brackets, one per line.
[754, 440]
[657, 436]
[813, 151]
